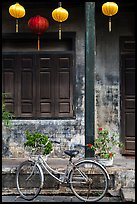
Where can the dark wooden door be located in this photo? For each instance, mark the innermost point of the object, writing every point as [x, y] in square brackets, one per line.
[55, 85]
[127, 57]
[38, 84]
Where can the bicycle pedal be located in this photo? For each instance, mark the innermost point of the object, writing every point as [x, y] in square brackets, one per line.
[17, 197]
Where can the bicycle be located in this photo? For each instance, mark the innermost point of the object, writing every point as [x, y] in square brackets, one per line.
[87, 179]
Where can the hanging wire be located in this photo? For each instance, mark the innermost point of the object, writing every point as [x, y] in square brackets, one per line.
[60, 4]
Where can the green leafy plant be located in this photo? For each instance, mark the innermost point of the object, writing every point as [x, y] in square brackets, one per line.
[104, 144]
[6, 115]
[38, 142]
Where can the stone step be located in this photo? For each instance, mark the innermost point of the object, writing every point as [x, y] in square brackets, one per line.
[9, 181]
[127, 194]
[122, 174]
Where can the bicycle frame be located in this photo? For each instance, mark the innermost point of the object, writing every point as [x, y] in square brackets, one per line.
[99, 165]
[64, 175]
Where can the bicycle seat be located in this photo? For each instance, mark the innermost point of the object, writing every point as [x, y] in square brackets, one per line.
[71, 153]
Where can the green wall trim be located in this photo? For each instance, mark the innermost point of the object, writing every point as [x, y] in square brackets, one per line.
[89, 74]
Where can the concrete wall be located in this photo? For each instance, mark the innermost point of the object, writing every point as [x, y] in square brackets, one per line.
[107, 80]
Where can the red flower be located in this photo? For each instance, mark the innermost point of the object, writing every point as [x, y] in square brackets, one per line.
[110, 154]
[100, 129]
[90, 145]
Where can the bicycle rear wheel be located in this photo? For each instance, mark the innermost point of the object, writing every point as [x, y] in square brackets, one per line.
[29, 179]
[88, 181]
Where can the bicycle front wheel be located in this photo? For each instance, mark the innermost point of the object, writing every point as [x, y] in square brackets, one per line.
[88, 181]
[29, 179]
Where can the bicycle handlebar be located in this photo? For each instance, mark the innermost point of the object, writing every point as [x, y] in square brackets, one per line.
[37, 144]
[79, 145]
[75, 145]
[54, 141]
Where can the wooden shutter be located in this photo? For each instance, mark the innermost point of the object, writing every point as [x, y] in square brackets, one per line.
[55, 85]
[19, 84]
[40, 84]
[64, 86]
[26, 85]
[45, 87]
[9, 81]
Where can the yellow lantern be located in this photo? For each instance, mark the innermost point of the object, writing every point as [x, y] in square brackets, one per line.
[109, 9]
[60, 14]
[17, 11]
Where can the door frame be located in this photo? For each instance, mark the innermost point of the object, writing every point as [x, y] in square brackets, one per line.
[127, 49]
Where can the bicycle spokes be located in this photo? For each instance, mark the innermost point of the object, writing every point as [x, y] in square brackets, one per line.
[88, 182]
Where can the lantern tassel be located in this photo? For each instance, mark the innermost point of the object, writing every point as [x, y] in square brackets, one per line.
[59, 31]
[17, 26]
[109, 24]
[38, 42]
[60, 4]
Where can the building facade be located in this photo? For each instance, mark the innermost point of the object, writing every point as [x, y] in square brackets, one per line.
[72, 86]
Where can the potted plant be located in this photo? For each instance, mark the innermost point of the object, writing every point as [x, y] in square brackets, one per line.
[6, 127]
[38, 143]
[103, 146]
[6, 115]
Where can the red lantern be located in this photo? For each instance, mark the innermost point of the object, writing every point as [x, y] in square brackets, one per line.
[38, 25]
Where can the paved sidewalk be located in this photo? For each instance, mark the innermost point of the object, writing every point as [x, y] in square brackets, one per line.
[58, 163]
[48, 199]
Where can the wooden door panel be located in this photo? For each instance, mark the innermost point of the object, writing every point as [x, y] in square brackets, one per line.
[64, 82]
[9, 79]
[130, 146]
[45, 89]
[9, 87]
[127, 93]
[26, 93]
[64, 85]
[45, 92]
[26, 85]
[130, 83]
[128, 102]
[129, 124]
